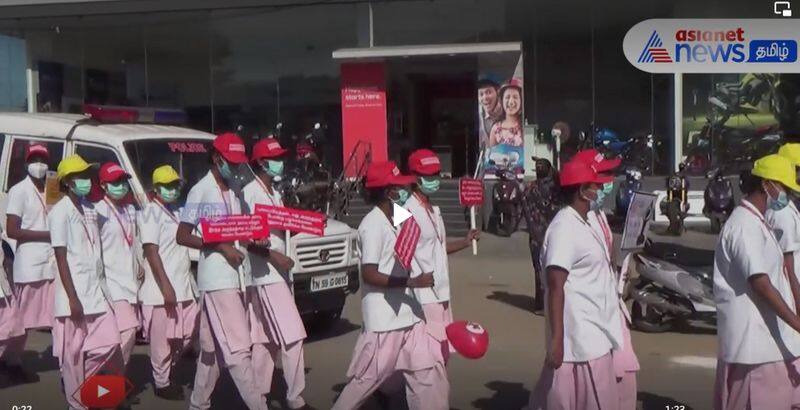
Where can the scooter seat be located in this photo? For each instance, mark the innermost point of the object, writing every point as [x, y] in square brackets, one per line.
[680, 255]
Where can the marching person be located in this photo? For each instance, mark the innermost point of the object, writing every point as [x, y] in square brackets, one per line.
[433, 248]
[34, 264]
[786, 225]
[275, 321]
[222, 274]
[582, 310]
[757, 322]
[12, 333]
[116, 217]
[394, 337]
[626, 364]
[85, 335]
[168, 293]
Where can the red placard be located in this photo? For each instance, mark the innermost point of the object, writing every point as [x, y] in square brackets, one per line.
[234, 228]
[290, 219]
[470, 192]
[407, 241]
[363, 112]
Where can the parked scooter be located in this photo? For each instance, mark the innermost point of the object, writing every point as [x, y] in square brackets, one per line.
[718, 198]
[676, 205]
[632, 183]
[672, 286]
[506, 202]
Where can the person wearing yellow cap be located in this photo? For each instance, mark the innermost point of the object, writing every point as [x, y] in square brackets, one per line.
[757, 323]
[786, 225]
[85, 334]
[169, 310]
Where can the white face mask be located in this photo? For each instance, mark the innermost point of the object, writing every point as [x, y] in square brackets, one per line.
[37, 169]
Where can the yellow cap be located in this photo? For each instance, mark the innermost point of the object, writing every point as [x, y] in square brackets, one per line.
[777, 168]
[71, 165]
[791, 152]
[165, 174]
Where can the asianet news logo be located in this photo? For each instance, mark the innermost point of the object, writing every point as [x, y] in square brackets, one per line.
[721, 46]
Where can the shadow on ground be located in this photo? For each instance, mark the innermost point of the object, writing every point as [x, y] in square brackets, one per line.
[524, 302]
[506, 396]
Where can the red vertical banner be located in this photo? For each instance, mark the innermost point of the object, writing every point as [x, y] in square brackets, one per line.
[363, 114]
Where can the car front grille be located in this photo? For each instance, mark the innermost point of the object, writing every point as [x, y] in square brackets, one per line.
[322, 253]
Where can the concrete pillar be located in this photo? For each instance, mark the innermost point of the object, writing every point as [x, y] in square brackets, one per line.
[677, 146]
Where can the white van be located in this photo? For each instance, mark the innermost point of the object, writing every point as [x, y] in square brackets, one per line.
[326, 268]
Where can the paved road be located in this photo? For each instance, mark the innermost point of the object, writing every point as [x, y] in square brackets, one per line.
[493, 289]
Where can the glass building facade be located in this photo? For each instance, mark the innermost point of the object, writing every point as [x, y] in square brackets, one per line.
[252, 66]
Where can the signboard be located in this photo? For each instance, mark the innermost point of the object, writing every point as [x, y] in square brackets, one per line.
[713, 45]
[640, 212]
[234, 228]
[470, 192]
[406, 243]
[294, 220]
[364, 111]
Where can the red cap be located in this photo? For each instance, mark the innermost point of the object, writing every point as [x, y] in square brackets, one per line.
[231, 147]
[386, 173]
[111, 171]
[267, 148]
[596, 160]
[37, 149]
[577, 172]
[424, 162]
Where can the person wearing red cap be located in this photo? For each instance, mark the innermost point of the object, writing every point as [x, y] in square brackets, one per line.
[393, 338]
[34, 263]
[275, 321]
[583, 326]
[117, 221]
[433, 247]
[626, 364]
[222, 275]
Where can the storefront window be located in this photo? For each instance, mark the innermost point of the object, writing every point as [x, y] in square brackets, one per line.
[13, 92]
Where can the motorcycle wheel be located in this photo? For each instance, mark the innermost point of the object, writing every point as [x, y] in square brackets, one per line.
[505, 225]
[649, 319]
[716, 224]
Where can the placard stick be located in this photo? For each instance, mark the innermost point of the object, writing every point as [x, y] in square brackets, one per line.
[472, 224]
[289, 255]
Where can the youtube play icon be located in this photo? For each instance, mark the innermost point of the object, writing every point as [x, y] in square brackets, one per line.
[104, 391]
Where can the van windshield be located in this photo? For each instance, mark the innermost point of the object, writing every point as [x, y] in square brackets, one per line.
[188, 157]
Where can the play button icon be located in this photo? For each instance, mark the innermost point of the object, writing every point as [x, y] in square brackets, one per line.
[106, 391]
[399, 215]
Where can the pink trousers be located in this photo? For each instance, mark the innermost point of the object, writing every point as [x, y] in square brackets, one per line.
[277, 332]
[754, 386]
[225, 338]
[35, 303]
[84, 348]
[626, 364]
[378, 355]
[12, 333]
[169, 337]
[127, 322]
[588, 385]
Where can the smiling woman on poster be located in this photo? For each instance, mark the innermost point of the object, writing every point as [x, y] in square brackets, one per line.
[505, 149]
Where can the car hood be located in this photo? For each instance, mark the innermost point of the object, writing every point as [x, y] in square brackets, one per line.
[332, 228]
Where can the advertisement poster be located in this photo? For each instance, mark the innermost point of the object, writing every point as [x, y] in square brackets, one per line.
[501, 113]
[640, 212]
[363, 114]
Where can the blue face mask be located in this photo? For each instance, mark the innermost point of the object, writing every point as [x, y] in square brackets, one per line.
[779, 203]
[402, 197]
[429, 185]
[274, 168]
[597, 203]
[225, 171]
[81, 186]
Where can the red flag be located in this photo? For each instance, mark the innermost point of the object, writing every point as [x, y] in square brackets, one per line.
[406, 243]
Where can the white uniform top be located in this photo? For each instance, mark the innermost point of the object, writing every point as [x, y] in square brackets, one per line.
[80, 236]
[205, 200]
[748, 331]
[117, 231]
[591, 310]
[384, 309]
[431, 252]
[33, 261]
[786, 226]
[158, 226]
[263, 273]
[5, 286]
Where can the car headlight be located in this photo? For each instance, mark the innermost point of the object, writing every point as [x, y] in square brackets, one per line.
[354, 251]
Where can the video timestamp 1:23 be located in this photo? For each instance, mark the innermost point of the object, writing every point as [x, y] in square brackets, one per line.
[675, 407]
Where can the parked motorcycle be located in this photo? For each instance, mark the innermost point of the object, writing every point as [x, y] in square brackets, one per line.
[506, 202]
[636, 151]
[718, 198]
[676, 205]
[673, 286]
[632, 183]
